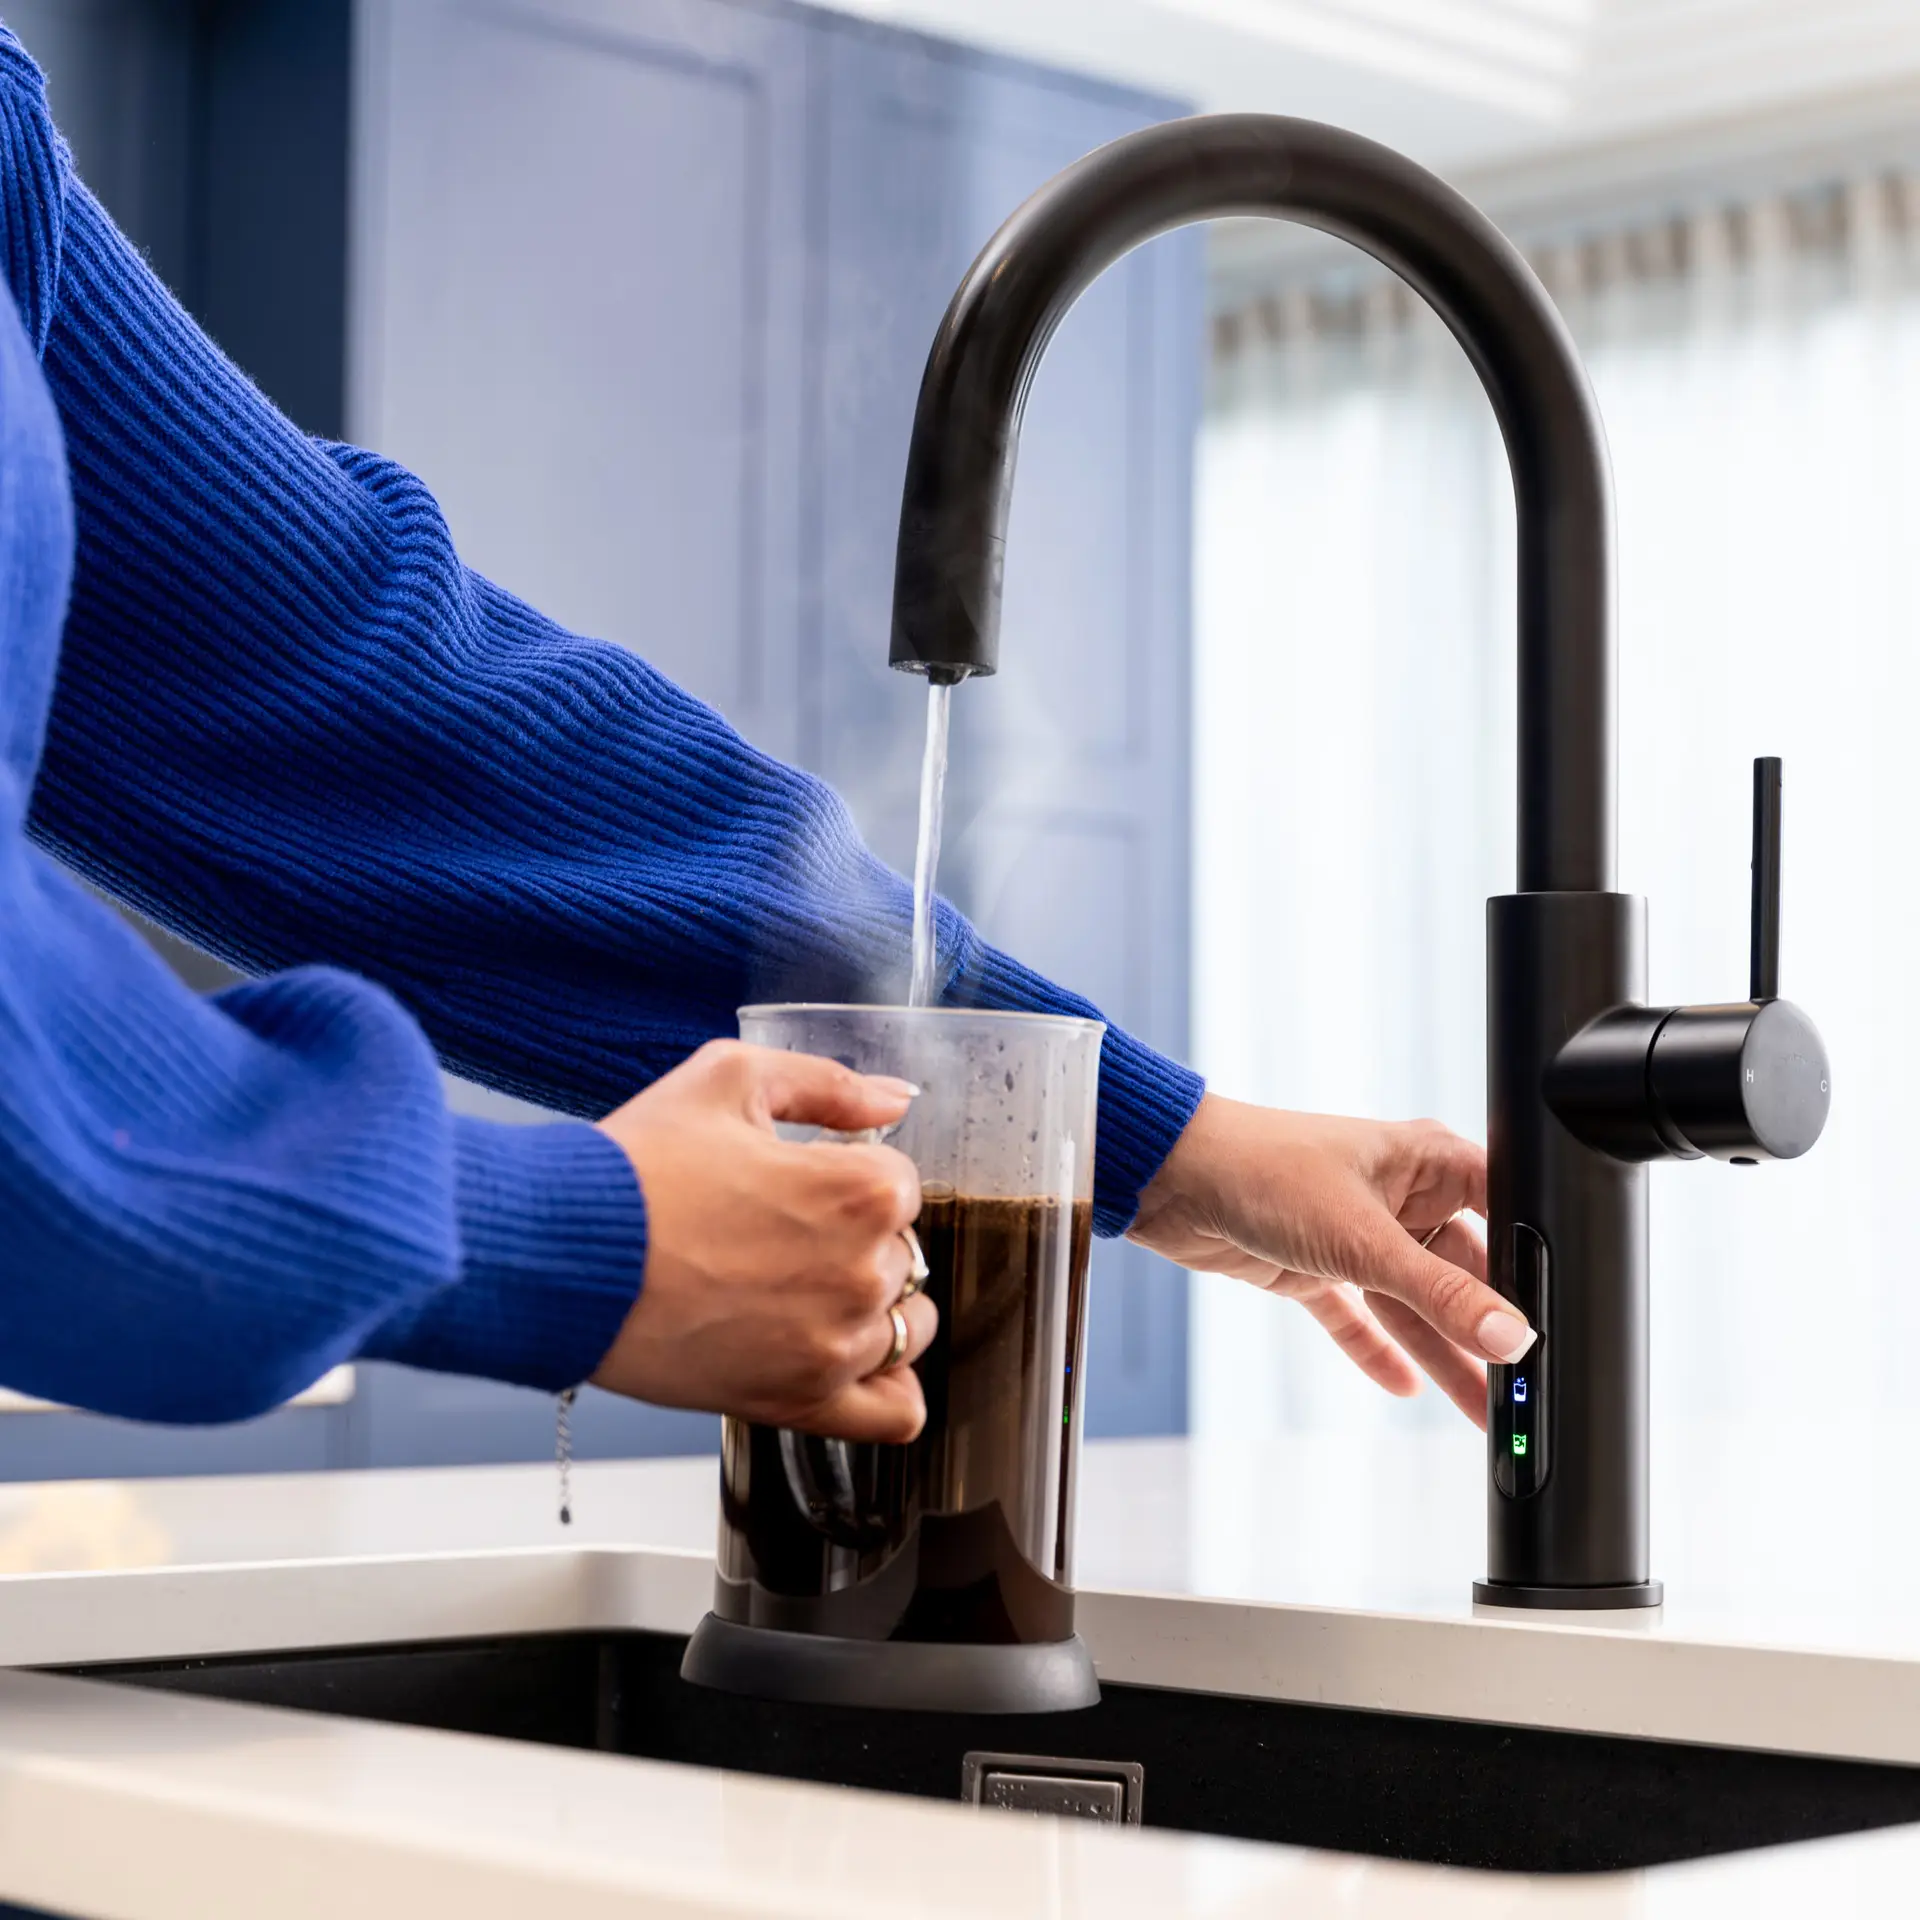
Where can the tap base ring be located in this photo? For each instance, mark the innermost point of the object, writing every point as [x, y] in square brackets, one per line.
[1500, 1593]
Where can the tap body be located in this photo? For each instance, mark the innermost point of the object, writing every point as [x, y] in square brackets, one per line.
[1567, 1214]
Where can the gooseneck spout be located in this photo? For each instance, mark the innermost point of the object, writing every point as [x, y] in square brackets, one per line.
[1585, 1083]
[960, 464]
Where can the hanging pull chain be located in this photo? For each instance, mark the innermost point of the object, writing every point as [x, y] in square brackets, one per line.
[563, 1451]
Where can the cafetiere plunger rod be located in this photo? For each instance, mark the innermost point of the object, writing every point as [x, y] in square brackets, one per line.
[1571, 1123]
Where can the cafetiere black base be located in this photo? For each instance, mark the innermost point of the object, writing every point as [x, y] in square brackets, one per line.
[1498, 1593]
[932, 1676]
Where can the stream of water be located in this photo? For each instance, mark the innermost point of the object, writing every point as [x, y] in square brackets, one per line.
[926, 856]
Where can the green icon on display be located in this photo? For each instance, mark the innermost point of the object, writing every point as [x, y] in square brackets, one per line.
[1519, 1443]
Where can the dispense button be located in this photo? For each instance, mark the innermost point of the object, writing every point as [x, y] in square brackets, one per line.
[1530, 1276]
[1520, 1429]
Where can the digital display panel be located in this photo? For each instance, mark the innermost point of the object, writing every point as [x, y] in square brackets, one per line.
[1521, 1456]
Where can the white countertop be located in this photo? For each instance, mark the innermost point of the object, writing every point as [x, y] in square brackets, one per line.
[1800, 1532]
[1335, 1581]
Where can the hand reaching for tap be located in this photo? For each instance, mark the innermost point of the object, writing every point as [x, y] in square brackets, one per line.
[1360, 1221]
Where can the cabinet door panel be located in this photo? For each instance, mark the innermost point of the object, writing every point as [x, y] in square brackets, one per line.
[407, 1419]
[1067, 812]
[588, 250]
[78, 1446]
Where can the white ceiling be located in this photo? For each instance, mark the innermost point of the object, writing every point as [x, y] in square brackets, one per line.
[1462, 83]
[1651, 63]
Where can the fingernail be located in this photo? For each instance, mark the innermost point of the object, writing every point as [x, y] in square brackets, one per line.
[902, 1089]
[1504, 1336]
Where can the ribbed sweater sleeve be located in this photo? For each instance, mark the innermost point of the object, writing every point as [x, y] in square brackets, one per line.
[210, 1202]
[293, 727]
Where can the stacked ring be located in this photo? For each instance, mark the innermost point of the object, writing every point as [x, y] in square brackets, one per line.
[898, 1351]
[917, 1274]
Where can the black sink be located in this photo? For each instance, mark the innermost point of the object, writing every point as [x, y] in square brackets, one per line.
[1455, 1792]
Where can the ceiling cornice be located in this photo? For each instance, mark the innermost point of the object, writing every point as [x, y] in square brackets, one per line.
[1459, 83]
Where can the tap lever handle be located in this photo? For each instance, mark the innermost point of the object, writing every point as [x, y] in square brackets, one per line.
[1743, 1083]
[1765, 976]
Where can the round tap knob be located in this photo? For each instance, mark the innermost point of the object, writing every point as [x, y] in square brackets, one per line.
[1743, 1083]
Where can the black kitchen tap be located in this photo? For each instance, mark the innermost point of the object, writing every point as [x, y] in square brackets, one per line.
[1585, 1084]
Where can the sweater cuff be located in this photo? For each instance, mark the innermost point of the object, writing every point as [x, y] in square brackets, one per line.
[1146, 1099]
[553, 1243]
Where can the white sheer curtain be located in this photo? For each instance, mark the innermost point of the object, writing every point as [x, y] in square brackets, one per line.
[1759, 371]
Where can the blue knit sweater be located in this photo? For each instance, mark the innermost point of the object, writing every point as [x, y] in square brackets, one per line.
[247, 686]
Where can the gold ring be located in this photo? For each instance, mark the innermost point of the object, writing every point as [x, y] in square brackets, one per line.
[917, 1274]
[898, 1351]
[1439, 1230]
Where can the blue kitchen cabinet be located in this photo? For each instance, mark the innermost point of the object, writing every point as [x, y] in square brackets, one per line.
[643, 289]
[165, 106]
[581, 245]
[404, 1418]
[584, 239]
[1067, 816]
[78, 1446]
[658, 364]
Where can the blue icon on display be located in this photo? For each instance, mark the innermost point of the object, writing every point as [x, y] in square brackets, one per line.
[1520, 1391]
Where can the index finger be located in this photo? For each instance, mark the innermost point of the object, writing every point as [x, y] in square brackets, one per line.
[1454, 1300]
[808, 1091]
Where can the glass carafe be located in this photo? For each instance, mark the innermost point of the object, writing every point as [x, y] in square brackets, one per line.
[964, 1536]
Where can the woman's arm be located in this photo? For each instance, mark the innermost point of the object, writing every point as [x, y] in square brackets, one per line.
[292, 726]
[209, 1203]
